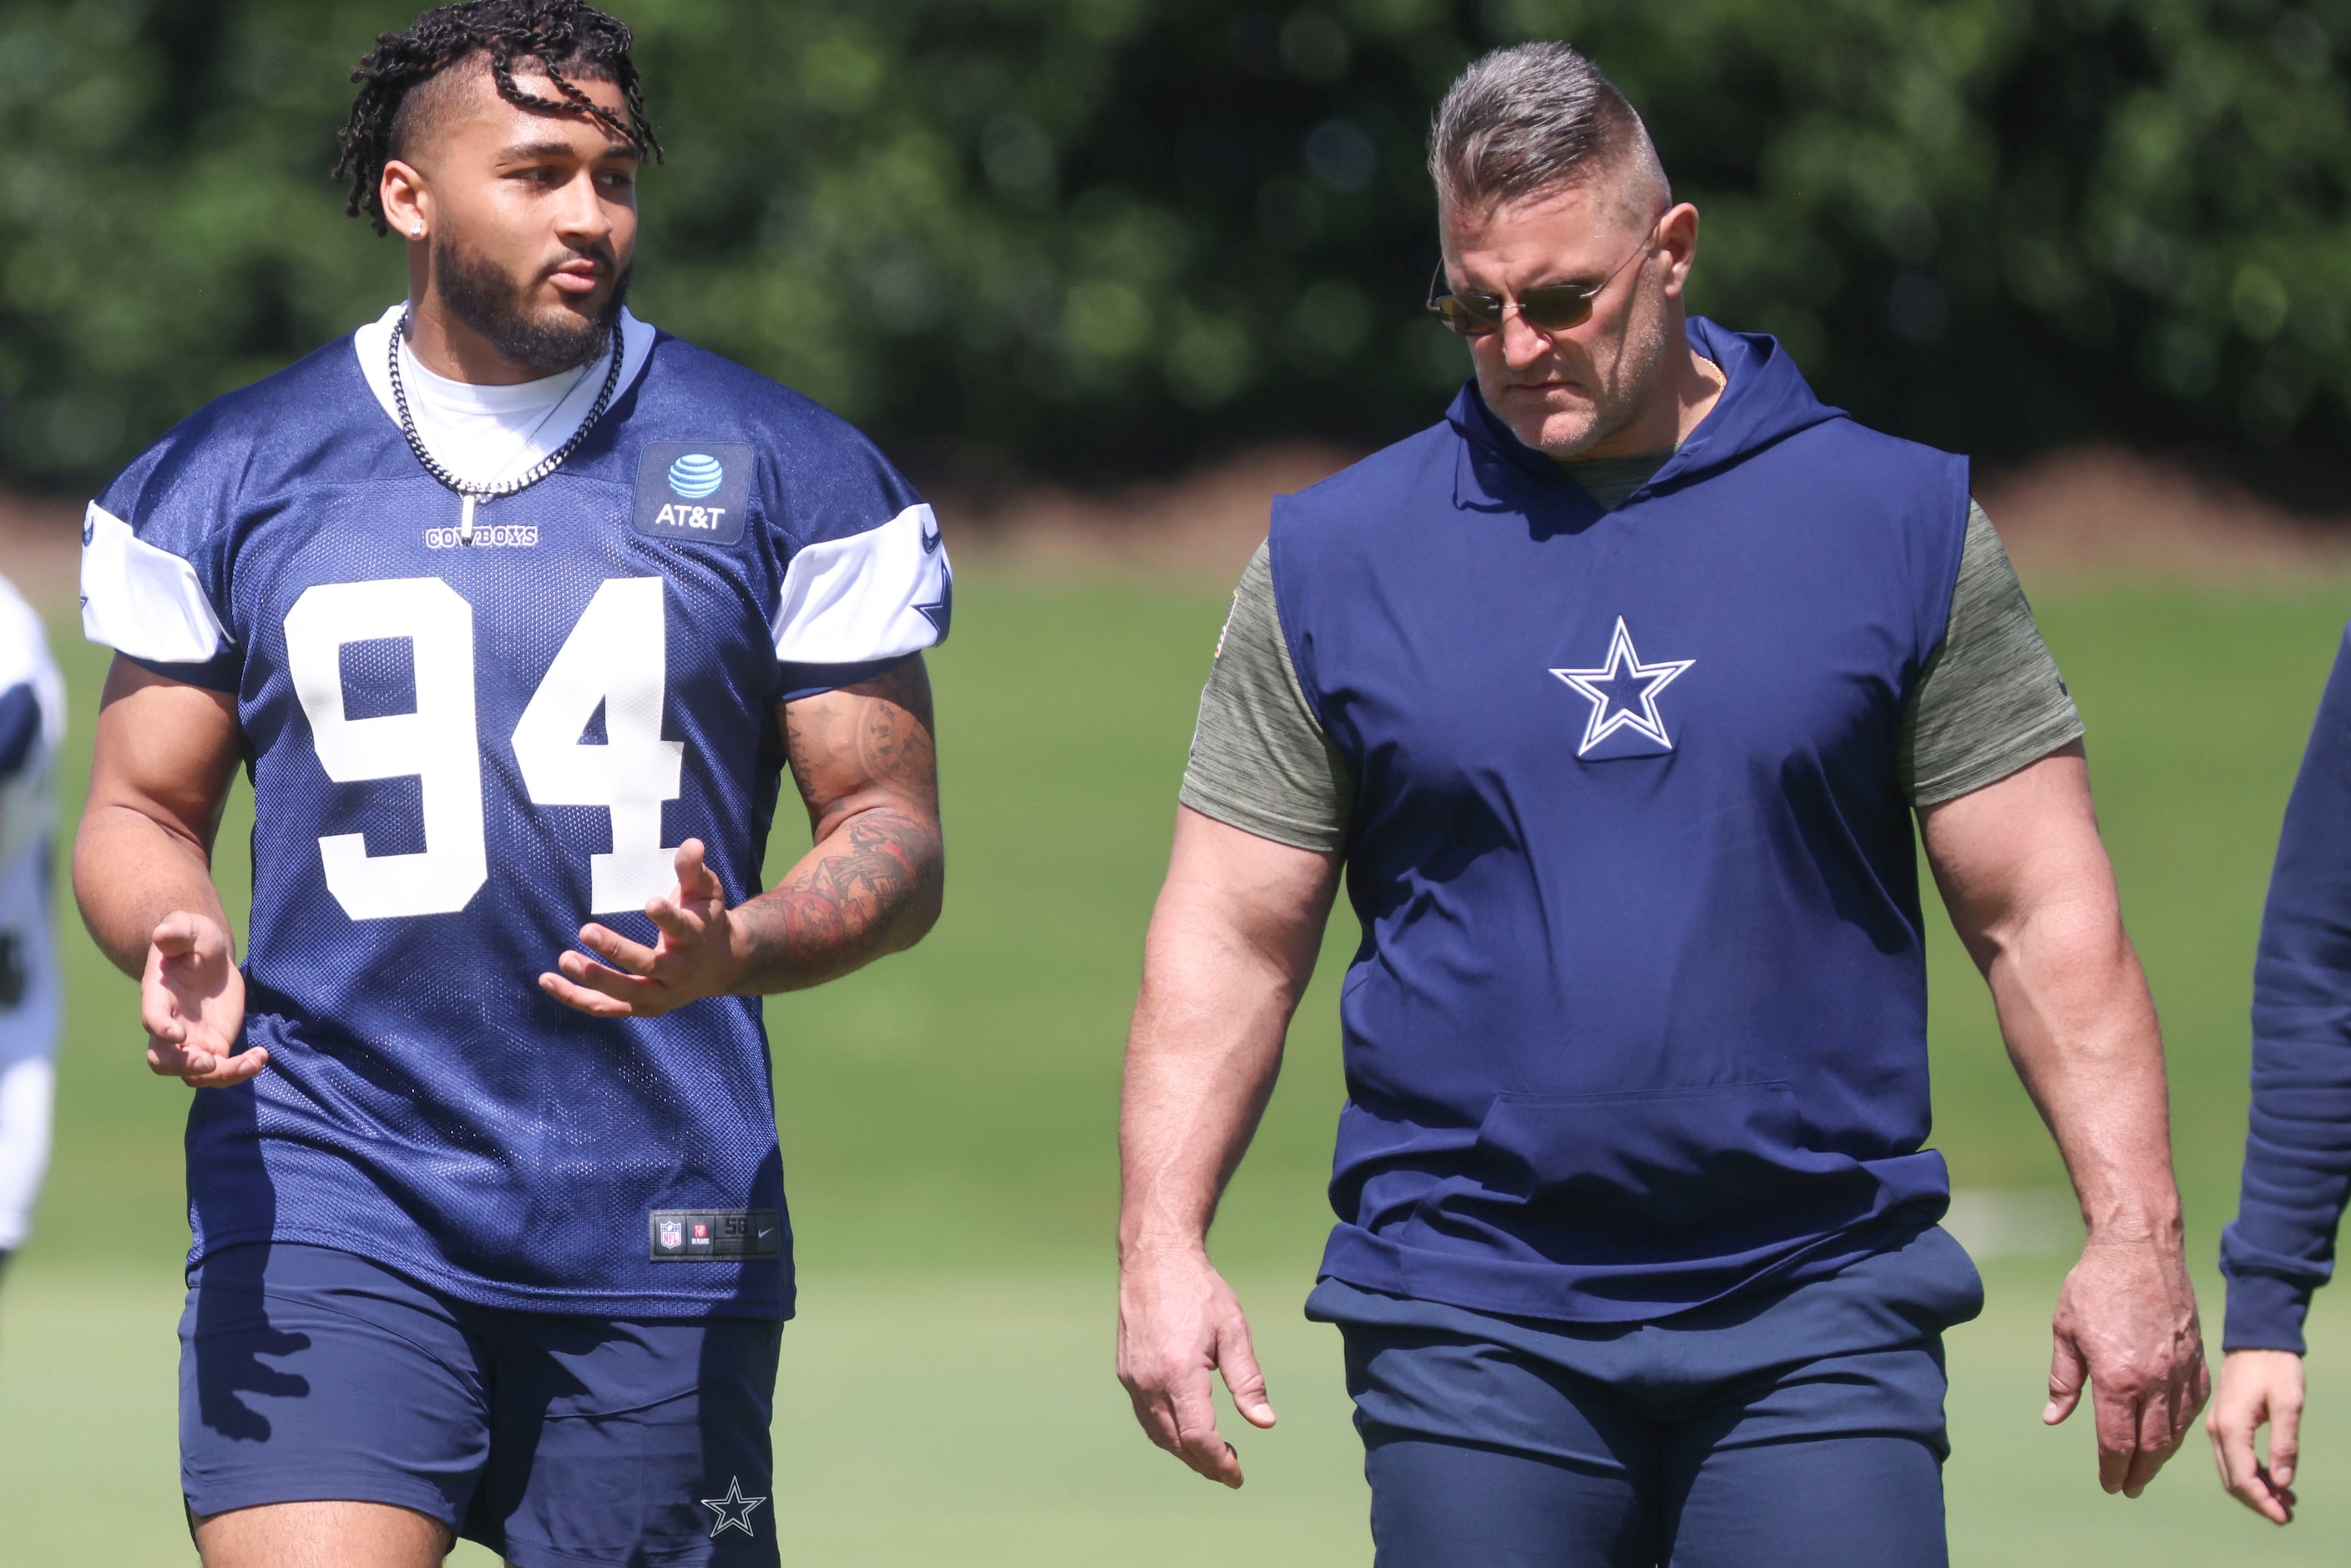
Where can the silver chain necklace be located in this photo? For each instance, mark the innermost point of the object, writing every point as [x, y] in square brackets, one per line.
[472, 494]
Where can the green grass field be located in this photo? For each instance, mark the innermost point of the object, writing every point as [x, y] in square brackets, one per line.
[947, 1124]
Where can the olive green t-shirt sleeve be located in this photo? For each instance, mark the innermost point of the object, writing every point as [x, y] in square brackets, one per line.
[1991, 700]
[1261, 761]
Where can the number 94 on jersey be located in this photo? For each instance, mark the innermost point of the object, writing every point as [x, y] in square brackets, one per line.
[616, 657]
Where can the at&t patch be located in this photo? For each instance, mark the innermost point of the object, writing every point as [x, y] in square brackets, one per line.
[688, 490]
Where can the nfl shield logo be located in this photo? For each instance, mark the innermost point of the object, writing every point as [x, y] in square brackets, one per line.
[673, 1233]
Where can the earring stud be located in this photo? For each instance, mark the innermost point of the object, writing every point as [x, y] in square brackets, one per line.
[416, 231]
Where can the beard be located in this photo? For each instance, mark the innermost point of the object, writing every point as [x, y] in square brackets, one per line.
[493, 303]
[1617, 389]
[1620, 398]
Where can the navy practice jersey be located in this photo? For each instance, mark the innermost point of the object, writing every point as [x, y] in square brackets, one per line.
[460, 752]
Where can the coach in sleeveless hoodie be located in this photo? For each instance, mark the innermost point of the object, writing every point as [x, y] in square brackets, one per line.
[1613, 697]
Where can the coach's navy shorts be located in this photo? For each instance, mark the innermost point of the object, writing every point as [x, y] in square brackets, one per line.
[1797, 1429]
[307, 1374]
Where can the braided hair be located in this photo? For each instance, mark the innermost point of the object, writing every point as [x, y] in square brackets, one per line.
[558, 35]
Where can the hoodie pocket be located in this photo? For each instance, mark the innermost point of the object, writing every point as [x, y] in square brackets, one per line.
[1671, 1159]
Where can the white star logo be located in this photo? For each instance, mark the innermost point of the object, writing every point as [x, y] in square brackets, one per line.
[724, 1506]
[1613, 706]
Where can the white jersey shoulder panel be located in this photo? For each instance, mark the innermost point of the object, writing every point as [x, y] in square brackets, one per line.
[876, 595]
[141, 601]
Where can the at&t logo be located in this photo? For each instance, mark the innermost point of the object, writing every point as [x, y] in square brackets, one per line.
[695, 476]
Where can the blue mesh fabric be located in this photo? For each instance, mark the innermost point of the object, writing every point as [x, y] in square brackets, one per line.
[378, 677]
[425, 1104]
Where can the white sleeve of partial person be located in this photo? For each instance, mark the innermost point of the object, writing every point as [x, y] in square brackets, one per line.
[875, 595]
[27, 1091]
[141, 601]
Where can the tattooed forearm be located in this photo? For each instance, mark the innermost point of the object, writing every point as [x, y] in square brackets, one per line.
[867, 766]
[870, 889]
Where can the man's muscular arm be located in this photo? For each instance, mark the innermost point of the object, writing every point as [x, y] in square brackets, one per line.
[2032, 896]
[866, 764]
[166, 757]
[1232, 944]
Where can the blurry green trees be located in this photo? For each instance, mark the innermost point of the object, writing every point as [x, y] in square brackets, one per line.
[1110, 232]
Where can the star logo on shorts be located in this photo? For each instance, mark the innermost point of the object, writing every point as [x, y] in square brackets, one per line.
[725, 1507]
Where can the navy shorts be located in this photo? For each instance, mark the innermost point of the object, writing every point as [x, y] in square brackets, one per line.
[307, 1374]
[1801, 1428]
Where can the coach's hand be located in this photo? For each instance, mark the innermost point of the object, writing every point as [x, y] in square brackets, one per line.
[2126, 1326]
[693, 956]
[1179, 1324]
[191, 1000]
[2259, 1388]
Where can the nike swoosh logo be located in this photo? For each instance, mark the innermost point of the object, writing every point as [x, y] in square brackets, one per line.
[931, 541]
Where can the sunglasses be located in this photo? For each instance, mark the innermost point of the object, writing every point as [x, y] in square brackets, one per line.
[1552, 309]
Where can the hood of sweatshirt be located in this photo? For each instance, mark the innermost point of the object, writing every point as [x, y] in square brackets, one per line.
[1765, 400]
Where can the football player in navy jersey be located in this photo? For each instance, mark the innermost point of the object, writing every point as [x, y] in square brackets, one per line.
[516, 610]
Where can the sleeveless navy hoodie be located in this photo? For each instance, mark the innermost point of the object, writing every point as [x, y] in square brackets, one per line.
[1638, 1020]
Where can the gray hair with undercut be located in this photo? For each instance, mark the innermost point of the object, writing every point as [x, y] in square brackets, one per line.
[1535, 118]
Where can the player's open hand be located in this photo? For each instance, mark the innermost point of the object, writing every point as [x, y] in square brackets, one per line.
[693, 956]
[2126, 1326]
[191, 1000]
[1179, 1325]
[2259, 1388]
